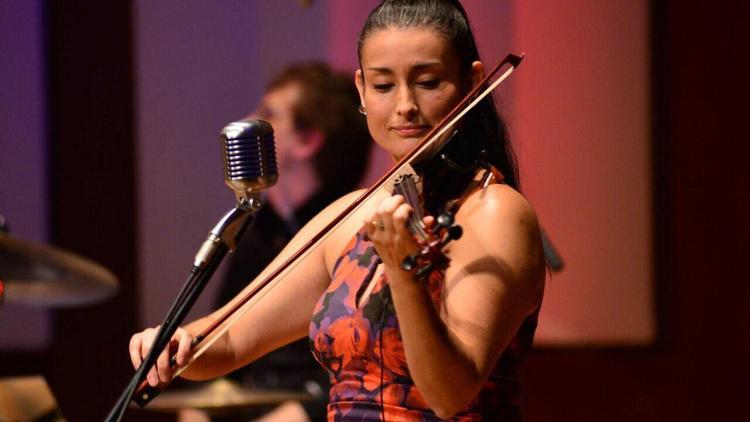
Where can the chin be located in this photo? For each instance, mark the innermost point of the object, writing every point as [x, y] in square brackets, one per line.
[399, 147]
[399, 154]
[409, 143]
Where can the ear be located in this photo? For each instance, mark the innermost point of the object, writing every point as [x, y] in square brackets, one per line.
[477, 73]
[308, 143]
[359, 81]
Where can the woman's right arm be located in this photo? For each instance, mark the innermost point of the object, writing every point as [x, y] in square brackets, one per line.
[282, 316]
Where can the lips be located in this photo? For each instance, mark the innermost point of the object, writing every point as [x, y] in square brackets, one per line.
[409, 131]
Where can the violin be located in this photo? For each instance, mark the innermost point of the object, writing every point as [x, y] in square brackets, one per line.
[434, 158]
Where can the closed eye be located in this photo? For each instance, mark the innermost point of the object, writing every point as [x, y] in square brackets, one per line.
[429, 84]
[382, 87]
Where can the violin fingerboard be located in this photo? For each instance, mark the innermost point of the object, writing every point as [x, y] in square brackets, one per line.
[406, 186]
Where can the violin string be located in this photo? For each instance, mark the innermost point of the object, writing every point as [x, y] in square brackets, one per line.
[410, 188]
[402, 190]
[418, 215]
[406, 187]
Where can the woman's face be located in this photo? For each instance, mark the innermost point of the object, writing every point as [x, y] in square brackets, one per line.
[410, 79]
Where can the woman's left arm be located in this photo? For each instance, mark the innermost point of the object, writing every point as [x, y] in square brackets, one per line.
[495, 279]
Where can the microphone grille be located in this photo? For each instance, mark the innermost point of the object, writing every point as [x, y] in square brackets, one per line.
[249, 155]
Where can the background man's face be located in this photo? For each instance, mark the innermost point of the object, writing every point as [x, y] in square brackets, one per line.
[277, 108]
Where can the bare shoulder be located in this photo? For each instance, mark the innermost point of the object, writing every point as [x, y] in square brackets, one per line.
[499, 206]
[501, 229]
[496, 274]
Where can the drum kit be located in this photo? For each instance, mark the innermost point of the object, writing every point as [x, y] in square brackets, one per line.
[224, 397]
[40, 275]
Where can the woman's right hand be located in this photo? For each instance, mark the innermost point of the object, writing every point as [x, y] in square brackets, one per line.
[162, 371]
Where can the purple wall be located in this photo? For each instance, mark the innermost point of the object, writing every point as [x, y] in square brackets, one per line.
[23, 184]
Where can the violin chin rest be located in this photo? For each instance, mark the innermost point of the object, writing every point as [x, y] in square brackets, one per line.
[409, 263]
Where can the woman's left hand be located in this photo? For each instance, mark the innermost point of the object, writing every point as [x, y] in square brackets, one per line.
[386, 227]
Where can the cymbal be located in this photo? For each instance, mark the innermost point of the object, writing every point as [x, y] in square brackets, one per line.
[43, 275]
[28, 398]
[220, 396]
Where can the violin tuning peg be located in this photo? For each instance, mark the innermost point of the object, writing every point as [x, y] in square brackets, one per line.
[445, 219]
[455, 233]
[409, 263]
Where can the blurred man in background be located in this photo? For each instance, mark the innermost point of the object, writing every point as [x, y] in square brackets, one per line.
[321, 143]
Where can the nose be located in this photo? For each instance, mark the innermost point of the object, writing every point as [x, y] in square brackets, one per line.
[406, 106]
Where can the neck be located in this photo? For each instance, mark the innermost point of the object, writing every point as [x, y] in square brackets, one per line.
[296, 185]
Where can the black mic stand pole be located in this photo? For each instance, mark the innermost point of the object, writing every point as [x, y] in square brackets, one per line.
[221, 239]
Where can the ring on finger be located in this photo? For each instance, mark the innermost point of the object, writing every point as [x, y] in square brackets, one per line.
[378, 224]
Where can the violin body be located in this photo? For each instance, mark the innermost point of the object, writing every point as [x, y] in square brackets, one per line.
[432, 240]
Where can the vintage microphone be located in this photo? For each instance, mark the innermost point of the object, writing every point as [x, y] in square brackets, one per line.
[249, 161]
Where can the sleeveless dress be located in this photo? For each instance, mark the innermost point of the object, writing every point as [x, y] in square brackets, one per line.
[361, 348]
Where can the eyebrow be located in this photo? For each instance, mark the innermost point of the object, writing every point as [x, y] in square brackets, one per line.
[416, 67]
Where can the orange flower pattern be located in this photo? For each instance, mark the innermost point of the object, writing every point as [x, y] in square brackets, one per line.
[361, 348]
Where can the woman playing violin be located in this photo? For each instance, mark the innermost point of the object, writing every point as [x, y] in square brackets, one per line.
[397, 345]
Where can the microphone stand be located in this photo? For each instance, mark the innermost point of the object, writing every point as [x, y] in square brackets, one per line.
[221, 239]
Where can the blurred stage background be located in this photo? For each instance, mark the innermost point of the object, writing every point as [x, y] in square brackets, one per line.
[626, 117]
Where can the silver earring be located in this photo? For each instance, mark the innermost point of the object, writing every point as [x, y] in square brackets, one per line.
[362, 110]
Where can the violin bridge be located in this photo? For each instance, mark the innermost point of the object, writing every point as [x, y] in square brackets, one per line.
[396, 177]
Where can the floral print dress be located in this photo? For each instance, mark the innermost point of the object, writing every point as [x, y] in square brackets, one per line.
[357, 340]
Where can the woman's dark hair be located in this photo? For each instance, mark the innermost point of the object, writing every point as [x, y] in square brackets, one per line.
[483, 129]
[328, 103]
